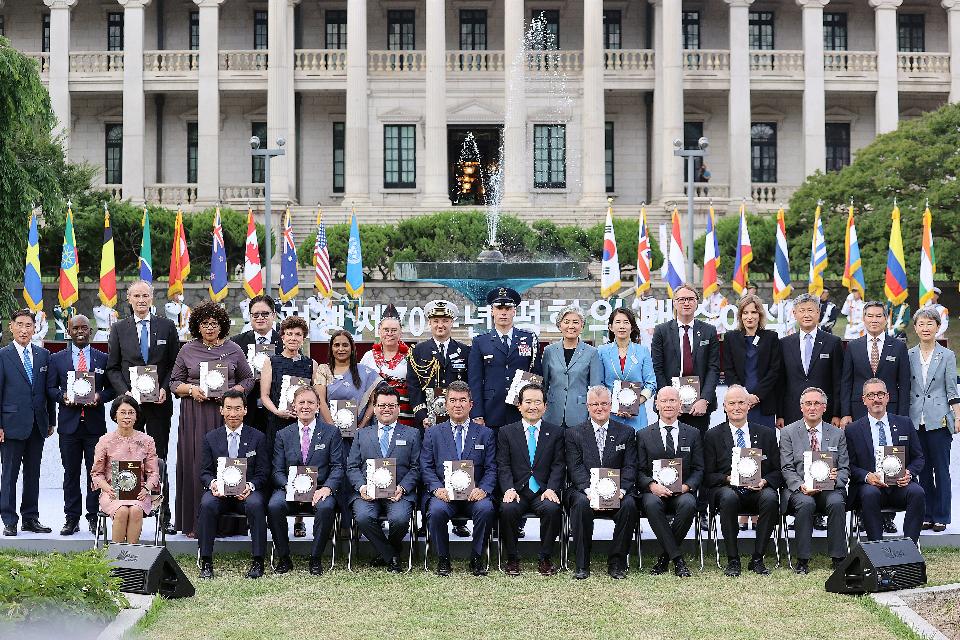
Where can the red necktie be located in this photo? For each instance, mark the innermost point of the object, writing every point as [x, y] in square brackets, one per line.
[81, 367]
[687, 352]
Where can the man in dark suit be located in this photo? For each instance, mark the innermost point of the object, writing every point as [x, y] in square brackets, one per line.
[880, 428]
[875, 355]
[142, 339]
[262, 319]
[829, 312]
[688, 347]
[234, 440]
[307, 442]
[459, 439]
[27, 418]
[385, 438]
[601, 443]
[810, 358]
[730, 501]
[79, 426]
[437, 362]
[666, 439]
[531, 468]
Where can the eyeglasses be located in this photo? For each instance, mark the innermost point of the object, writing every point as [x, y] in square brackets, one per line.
[261, 314]
[210, 324]
[391, 405]
[685, 300]
[875, 395]
[605, 403]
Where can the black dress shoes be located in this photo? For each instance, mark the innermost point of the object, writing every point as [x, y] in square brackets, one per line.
[92, 523]
[680, 568]
[802, 568]
[316, 566]
[443, 566]
[70, 527]
[206, 569]
[256, 569]
[34, 526]
[169, 529]
[284, 564]
[394, 565]
[756, 565]
[299, 529]
[733, 568]
[546, 567]
[616, 572]
[478, 566]
[512, 568]
[461, 531]
[661, 565]
[888, 524]
[9, 529]
[820, 523]
[582, 573]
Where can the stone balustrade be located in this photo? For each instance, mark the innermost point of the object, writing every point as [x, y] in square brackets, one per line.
[320, 61]
[248, 60]
[629, 60]
[474, 61]
[923, 64]
[380, 62]
[239, 193]
[776, 62]
[844, 62]
[171, 193]
[96, 62]
[169, 61]
[708, 61]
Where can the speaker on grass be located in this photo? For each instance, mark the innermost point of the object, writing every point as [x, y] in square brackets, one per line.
[883, 565]
[147, 570]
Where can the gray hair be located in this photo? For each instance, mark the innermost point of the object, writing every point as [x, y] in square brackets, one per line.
[140, 281]
[570, 308]
[823, 394]
[875, 304]
[874, 381]
[737, 387]
[598, 389]
[806, 297]
[459, 386]
[928, 314]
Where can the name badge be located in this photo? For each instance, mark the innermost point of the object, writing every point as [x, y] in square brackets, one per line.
[687, 449]
[891, 358]
[621, 447]
[525, 350]
[824, 356]
[320, 446]
[634, 360]
[478, 447]
[400, 443]
[100, 371]
[161, 342]
[756, 340]
[831, 448]
[250, 454]
[458, 365]
[704, 343]
[902, 438]
[763, 457]
[488, 356]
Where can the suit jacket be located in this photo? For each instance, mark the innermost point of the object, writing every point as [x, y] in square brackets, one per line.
[479, 445]
[513, 458]
[768, 365]
[256, 414]
[930, 399]
[706, 357]
[68, 416]
[325, 454]
[829, 312]
[638, 368]
[826, 369]
[253, 447]
[795, 441]
[688, 447]
[619, 452]
[718, 454]
[893, 369]
[452, 368]
[22, 404]
[124, 352]
[863, 457]
[491, 369]
[404, 446]
[566, 385]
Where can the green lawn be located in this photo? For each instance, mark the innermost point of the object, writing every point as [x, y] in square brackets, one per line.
[371, 603]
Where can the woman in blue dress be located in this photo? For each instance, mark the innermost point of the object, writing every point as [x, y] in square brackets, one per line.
[625, 359]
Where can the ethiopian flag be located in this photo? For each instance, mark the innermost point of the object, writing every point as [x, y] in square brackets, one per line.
[69, 265]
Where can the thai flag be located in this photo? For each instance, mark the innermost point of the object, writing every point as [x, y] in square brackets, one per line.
[781, 262]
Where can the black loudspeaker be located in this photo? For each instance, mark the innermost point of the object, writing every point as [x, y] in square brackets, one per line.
[147, 570]
[884, 565]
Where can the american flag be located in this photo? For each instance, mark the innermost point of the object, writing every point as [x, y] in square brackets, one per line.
[323, 281]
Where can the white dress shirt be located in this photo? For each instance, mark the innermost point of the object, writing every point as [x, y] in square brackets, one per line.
[76, 356]
[746, 433]
[675, 432]
[239, 437]
[381, 427]
[875, 430]
[508, 335]
[536, 431]
[20, 350]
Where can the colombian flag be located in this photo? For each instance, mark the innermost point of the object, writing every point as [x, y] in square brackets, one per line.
[895, 283]
[108, 270]
[69, 265]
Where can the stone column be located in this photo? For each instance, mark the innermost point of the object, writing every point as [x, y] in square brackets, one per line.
[515, 146]
[814, 134]
[656, 140]
[133, 99]
[888, 99]
[593, 121]
[435, 193]
[953, 22]
[357, 148]
[738, 103]
[208, 103]
[59, 73]
[669, 83]
[280, 102]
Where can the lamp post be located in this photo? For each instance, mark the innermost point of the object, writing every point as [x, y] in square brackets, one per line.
[267, 155]
[690, 155]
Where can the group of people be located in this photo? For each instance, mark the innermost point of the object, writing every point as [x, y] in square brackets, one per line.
[443, 401]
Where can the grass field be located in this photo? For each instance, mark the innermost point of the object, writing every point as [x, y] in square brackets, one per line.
[371, 604]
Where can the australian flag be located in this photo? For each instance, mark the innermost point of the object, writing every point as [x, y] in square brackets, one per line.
[289, 280]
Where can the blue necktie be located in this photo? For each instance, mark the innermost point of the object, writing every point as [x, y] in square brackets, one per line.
[741, 441]
[385, 440]
[883, 433]
[144, 341]
[27, 364]
[233, 447]
[459, 440]
[807, 352]
[532, 450]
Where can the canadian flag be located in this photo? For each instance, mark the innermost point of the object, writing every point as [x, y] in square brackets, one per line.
[252, 276]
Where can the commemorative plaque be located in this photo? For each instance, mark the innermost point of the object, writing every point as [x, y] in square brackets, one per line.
[257, 355]
[232, 476]
[81, 387]
[604, 488]
[626, 397]
[891, 463]
[745, 467]
[126, 476]
[689, 389]
[520, 380]
[381, 477]
[669, 473]
[817, 466]
[344, 414]
[301, 484]
[458, 478]
[213, 378]
[288, 388]
[145, 383]
[436, 402]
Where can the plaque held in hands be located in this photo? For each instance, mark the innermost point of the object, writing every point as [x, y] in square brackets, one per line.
[458, 478]
[344, 414]
[669, 473]
[817, 466]
[604, 488]
[213, 378]
[81, 387]
[232, 476]
[381, 477]
[689, 389]
[520, 380]
[891, 464]
[126, 476]
[626, 397]
[745, 467]
[301, 483]
[145, 383]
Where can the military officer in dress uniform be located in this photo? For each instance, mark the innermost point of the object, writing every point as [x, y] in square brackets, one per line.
[435, 363]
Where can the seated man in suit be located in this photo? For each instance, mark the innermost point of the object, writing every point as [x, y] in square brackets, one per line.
[730, 501]
[867, 489]
[312, 443]
[235, 440]
[813, 434]
[669, 438]
[459, 438]
[531, 468]
[601, 443]
[385, 438]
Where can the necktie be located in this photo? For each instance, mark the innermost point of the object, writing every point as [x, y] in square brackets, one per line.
[304, 444]
[233, 447]
[144, 341]
[532, 451]
[601, 440]
[874, 354]
[741, 441]
[458, 437]
[671, 447]
[807, 352]
[443, 353]
[385, 439]
[28, 364]
[81, 367]
[687, 352]
[506, 341]
[882, 437]
[262, 340]
[814, 442]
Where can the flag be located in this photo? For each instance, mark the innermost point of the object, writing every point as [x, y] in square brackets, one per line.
[218, 262]
[108, 267]
[895, 282]
[354, 283]
[252, 278]
[643, 254]
[928, 260]
[179, 258]
[852, 267]
[32, 287]
[69, 265]
[741, 269]
[323, 279]
[818, 255]
[711, 256]
[146, 256]
[289, 279]
[676, 269]
[781, 262]
[610, 264]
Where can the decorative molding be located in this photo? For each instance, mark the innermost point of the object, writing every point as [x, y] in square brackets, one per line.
[401, 115]
[812, 4]
[474, 111]
[766, 113]
[54, 4]
[885, 4]
[840, 114]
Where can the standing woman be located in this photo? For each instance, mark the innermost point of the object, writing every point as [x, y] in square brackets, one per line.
[751, 358]
[624, 358]
[935, 412]
[389, 359]
[210, 324]
[570, 367]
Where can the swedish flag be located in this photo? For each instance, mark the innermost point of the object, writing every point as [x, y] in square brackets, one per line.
[32, 288]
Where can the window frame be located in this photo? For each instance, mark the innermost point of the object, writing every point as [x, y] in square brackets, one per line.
[914, 32]
[612, 38]
[261, 30]
[115, 31]
[111, 170]
[690, 19]
[402, 18]
[836, 34]
[471, 20]
[45, 33]
[335, 18]
[692, 141]
[837, 160]
[193, 152]
[193, 31]
[258, 163]
[554, 164]
[406, 168]
[758, 172]
[552, 20]
[609, 156]
[339, 157]
[759, 22]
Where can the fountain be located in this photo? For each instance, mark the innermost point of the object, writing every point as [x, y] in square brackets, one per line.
[492, 268]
